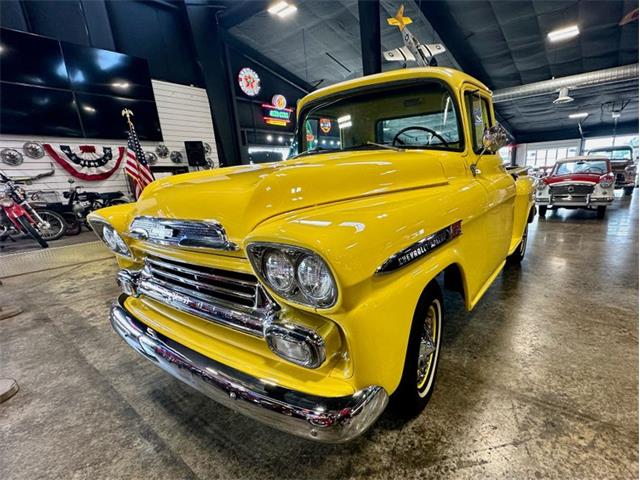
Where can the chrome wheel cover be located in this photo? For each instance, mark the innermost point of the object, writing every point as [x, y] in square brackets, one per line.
[428, 349]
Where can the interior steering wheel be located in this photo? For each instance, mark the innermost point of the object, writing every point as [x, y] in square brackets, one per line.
[424, 129]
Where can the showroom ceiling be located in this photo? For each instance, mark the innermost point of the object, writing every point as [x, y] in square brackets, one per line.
[504, 44]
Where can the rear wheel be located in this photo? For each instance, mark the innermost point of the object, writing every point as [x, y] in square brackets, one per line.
[628, 190]
[423, 352]
[601, 211]
[33, 233]
[542, 210]
[517, 256]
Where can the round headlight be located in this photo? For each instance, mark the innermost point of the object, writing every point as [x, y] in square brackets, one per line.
[114, 241]
[279, 271]
[315, 279]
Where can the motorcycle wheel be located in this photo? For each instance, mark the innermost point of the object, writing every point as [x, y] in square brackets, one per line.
[57, 225]
[33, 233]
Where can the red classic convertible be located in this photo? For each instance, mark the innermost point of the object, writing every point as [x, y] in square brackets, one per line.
[579, 182]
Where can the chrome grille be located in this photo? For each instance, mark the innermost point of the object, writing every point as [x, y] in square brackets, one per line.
[234, 299]
[576, 189]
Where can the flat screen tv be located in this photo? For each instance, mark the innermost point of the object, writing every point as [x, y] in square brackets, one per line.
[102, 117]
[31, 59]
[80, 91]
[93, 70]
[29, 110]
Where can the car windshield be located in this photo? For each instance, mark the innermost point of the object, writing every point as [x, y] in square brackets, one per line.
[420, 116]
[612, 153]
[581, 166]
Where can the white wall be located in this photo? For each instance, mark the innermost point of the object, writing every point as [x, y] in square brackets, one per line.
[184, 115]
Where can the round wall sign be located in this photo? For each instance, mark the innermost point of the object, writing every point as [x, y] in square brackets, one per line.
[279, 101]
[249, 82]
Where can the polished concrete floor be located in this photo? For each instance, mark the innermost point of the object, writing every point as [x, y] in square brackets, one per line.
[539, 381]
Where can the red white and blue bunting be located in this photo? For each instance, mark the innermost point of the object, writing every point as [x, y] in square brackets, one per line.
[85, 162]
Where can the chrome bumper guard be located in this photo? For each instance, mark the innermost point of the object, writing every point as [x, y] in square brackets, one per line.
[325, 419]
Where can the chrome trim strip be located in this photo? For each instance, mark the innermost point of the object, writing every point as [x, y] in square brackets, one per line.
[210, 234]
[325, 419]
[420, 248]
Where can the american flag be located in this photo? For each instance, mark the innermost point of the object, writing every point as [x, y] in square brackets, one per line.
[137, 167]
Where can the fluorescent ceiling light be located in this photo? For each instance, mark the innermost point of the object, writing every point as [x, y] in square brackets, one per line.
[344, 118]
[282, 9]
[344, 125]
[579, 115]
[277, 7]
[288, 11]
[563, 33]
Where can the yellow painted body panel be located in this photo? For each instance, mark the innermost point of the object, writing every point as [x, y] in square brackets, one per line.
[355, 209]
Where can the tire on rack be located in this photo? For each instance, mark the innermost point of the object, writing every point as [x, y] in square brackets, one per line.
[58, 225]
[516, 257]
[33, 233]
[423, 351]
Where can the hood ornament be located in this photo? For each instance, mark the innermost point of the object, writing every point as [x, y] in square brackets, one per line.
[197, 234]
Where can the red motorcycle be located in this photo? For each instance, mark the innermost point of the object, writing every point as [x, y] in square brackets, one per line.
[18, 216]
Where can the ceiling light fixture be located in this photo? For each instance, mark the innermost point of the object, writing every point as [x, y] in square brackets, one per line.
[282, 9]
[563, 33]
[563, 97]
[579, 115]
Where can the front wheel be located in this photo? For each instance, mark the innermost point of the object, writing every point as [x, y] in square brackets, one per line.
[542, 210]
[33, 233]
[601, 211]
[517, 256]
[423, 351]
[55, 226]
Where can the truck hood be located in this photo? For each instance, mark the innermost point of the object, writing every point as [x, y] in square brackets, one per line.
[574, 177]
[242, 197]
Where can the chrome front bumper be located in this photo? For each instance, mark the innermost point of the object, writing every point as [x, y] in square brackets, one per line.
[326, 419]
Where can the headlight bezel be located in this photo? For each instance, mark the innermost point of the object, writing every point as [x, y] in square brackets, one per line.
[257, 252]
[98, 225]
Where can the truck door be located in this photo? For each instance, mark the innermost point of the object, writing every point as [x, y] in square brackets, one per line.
[492, 175]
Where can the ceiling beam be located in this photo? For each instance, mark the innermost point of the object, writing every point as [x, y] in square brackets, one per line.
[369, 13]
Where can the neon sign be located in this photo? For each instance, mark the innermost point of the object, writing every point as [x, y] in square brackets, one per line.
[277, 112]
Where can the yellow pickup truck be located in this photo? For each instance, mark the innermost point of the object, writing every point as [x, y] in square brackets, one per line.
[307, 293]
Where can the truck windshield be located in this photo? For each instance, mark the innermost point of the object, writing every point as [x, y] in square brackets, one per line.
[582, 166]
[420, 116]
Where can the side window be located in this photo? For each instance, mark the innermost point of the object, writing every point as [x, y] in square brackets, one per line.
[480, 118]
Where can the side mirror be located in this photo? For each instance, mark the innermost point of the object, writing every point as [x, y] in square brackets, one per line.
[494, 138]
